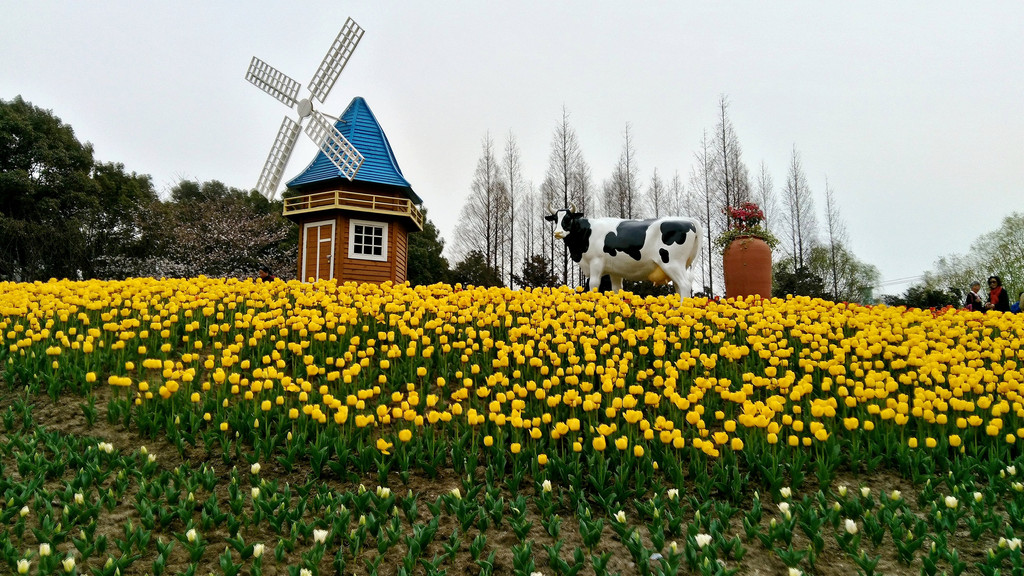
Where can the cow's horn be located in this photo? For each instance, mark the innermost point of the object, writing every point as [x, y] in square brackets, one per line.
[550, 209]
[572, 207]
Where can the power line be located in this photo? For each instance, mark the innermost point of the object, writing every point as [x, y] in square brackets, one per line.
[899, 281]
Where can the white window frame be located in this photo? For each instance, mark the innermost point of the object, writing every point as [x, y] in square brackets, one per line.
[352, 240]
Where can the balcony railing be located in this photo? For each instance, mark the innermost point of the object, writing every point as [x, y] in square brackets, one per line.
[357, 201]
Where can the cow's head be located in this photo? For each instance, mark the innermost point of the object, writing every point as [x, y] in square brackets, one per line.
[565, 220]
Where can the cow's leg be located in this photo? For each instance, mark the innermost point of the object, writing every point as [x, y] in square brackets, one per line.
[616, 283]
[681, 277]
[595, 273]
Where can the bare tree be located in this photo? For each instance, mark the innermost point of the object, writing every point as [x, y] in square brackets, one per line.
[582, 184]
[679, 200]
[707, 202]
[484, 210]
[512, 173]
[764, 196]
[731, 177]
[837, 238]
[621, 194]
[800, 224]
[657, 197]
[559, 186]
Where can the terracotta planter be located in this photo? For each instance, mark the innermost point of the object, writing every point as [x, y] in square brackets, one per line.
[747, 264]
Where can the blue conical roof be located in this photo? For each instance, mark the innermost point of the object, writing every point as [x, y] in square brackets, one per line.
[360, 126]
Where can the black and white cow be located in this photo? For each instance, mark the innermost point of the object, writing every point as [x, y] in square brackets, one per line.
[656, 250]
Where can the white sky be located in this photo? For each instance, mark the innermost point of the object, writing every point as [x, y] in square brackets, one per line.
[913, 111]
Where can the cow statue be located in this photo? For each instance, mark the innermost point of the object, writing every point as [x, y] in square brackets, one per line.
[656, 250]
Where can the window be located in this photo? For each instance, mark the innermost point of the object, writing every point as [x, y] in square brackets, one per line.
[368, 240]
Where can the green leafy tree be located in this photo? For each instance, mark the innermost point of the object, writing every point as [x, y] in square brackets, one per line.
[537, 273]
[999, 252]
[845, 278]
[921, 296]
[474, 270]
[61, 213]
[799, 281]
[45, 193]
[426, 264]
[114, 231]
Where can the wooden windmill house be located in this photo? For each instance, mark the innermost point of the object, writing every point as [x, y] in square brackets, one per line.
[354, 229]
[352, 203]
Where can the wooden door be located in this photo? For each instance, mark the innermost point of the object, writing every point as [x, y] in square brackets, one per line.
[318, 250]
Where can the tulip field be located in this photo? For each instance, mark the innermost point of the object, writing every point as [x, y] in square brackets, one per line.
[198, 426]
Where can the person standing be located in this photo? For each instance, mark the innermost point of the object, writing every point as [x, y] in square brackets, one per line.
[998, 299]
[974, 300]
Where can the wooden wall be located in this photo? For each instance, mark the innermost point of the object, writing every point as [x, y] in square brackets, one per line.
[356, 270]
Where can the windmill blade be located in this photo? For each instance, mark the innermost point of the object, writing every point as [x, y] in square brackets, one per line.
[333, 143]
[278, 158]
[273, 81]
[335, 60]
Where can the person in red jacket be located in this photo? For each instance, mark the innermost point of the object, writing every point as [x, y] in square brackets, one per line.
[998, 299]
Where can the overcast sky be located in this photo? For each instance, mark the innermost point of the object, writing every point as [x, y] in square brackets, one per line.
[914, 112]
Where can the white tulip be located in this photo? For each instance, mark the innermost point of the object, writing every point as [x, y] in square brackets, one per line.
[850, 526]
[192, 535]
[319, 536]
[951, 502]
[784, 508]
[68, 563]
[786, 492]
[255, 468]
[257, 550]
[702, 539]
[620, 517]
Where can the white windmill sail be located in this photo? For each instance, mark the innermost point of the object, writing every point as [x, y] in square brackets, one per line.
[331, 142]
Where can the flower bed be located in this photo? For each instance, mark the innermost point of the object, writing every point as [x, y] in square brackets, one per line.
[545, 430]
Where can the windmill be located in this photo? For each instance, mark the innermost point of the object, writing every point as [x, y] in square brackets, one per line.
[331, 142]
